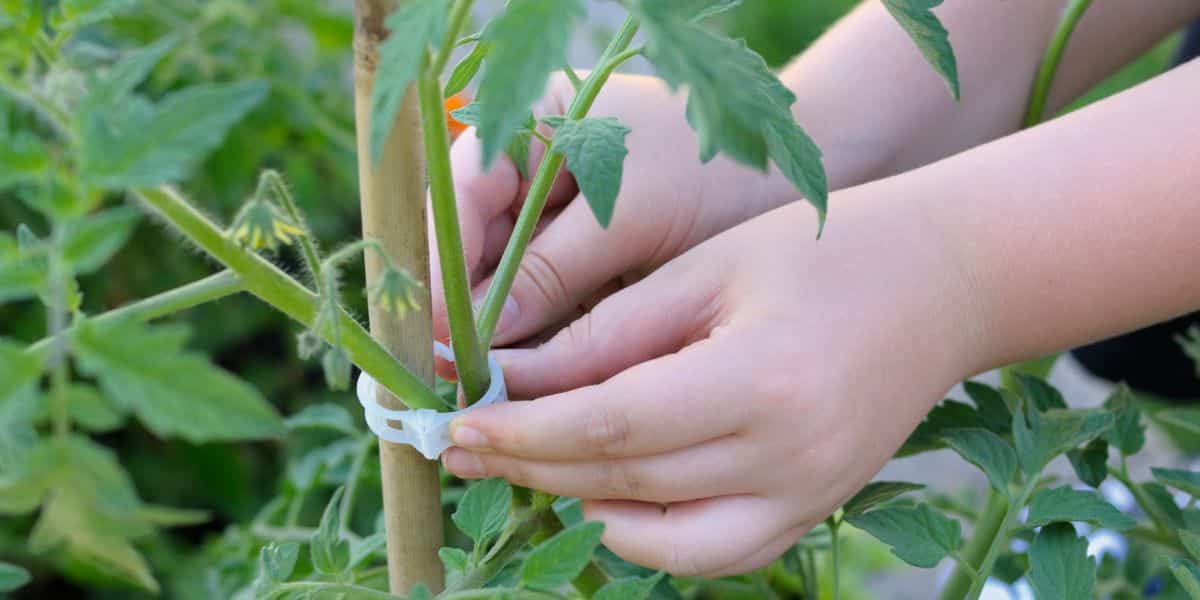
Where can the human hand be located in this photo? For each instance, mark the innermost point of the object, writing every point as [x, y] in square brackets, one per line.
[713, 412]
[668, 203]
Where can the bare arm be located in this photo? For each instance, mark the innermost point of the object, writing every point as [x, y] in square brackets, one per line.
[877, 109]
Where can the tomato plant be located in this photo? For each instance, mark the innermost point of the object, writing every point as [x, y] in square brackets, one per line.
[88, 124]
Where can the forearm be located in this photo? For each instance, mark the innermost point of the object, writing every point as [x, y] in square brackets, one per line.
[876, 108]
[1083, 228]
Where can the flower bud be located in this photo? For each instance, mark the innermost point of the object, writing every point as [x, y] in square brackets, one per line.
[395, 291]
[261, 224]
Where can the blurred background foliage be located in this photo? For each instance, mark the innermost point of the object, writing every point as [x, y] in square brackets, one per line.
[305, 129]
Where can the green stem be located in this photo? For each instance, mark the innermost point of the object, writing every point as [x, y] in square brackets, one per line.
[833, 557]
[539, 188]
[1161, 523]
[352, 479]
[276, 288]
[1000, 541]
[213, 287]
[316, 587]
[469, 358]
[485, 594]
[459, 15]
[987, 528]
[1036, 109]
[312, 258]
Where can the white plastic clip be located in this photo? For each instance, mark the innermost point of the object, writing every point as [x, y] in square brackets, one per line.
[425, 429]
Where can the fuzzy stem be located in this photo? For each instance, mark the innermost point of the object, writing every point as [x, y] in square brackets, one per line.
[539, 189]
[308, 246]
[987, 528]
[274, 287]
[1036, 109]
[1000, 541]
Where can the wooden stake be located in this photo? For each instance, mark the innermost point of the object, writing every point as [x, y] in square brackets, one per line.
[392, 194]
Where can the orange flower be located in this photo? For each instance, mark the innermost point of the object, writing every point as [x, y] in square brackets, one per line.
[456, 102]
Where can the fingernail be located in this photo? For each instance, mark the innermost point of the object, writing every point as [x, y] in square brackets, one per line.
[467, 437]
[464, 464]
[508, 314]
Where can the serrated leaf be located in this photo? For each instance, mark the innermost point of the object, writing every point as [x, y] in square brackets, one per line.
[1191, 542]
[1042, 395]
[1059, 567]
[931, 38]
[526, 43]
[1187, 482]
[484, 509]
[115, 84]
[987, 451]
[950, 414]
[413, 27]
[562, 557]
[704, 9]
[595, 152]
[465, 70]
[330, 553]
[1091, 462]
[12, 577]
[990, 405]
[277, 560]
[454, 560]
[365, 549]
[95, 238]
[736, 105]
[323, 416]
[22, 159]
[91, 411]
[877, 493]
[1064, 504]
[1039, 437]
[1162, 505]
[136, 143]
[175, 393]
[1127, 434]
[920, 536]
[628, 588]
[517, 148]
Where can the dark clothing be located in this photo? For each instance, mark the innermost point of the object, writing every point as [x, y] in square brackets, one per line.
[1150, 360]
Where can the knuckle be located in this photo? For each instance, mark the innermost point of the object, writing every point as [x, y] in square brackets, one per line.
[606, 431]
[544, 278]
[619, 480]
[578, 334]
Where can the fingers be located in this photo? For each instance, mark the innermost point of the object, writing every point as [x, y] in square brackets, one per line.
[651, 318]
[691, 538]
[711, 469]
[764, 556]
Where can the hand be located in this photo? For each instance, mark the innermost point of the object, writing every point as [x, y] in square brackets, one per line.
[668, 203]
[713, 412]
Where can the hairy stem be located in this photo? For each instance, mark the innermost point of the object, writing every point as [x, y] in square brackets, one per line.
[543, 180]
[209, 289]
[276, 288]
[1036, 109]
[469, 358]
[308, 246]
[987, 529]
[1000, 540]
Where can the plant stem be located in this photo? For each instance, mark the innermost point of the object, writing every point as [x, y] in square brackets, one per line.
[1036, 109]
[543, 180]
[459, 15]
[1000, 541]
[469, 358]
[833, 556]
[987, 528]
[276, 288]
[1161, 523]
[213, 287]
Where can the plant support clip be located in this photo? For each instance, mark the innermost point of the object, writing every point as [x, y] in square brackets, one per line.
[425, 429]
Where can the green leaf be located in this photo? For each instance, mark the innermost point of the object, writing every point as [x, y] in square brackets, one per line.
[466, 70]
[1063, 504]
[1091, 462]
[736, 105]
[176, 393]
[877, 493]
[1059, 567]
[628, 588]
[950, 414]
[420, 592]
[559, 559]
[416, 25]
[1127, 434]
[94, 239]
[330, 553]
[918, 535]
[1188, 576]
[118, 82]
[1190, 541]
[931, 37]
[78, 13]
[1039, 437]
[323, 416]
[19, 371]
[91, 411]
[527, 42]
[990, 405]
[455, 562]
[595, 152]
[12, 577]
[703, 9]
[1042, 395]
[987, 451]
[517, 149]
[135, 143]
[22, 159]
[1162, 505]
[484, 509]
[1187, 482]
[277, 560]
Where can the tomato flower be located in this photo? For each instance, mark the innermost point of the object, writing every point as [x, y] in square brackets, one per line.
[260, 224]
[395, 291]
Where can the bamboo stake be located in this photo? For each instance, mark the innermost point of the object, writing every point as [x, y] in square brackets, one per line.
[392, 195]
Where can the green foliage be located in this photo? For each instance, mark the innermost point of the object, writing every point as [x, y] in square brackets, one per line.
[414, 27]
[919, 535]
[932, 39]
[1091, 462]
[628, 588]
[1060, 568]
[595, 153]
[330, 553]
[562, 557]
[877, 493]
[483, 510]
[1063, 504]
[1187, 482]
[12, 577]
[1040, 436]
[987, 451]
